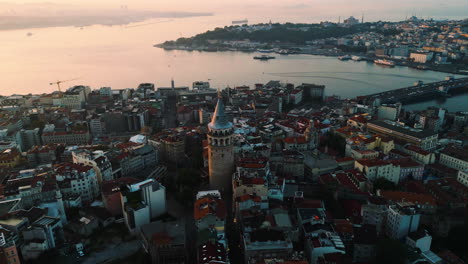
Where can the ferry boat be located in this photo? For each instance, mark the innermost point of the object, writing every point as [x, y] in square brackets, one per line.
[265, 50]
[345, 57]
[283, 52]
[263, 57]
[385, 62]
[356, 58]
[240, 22]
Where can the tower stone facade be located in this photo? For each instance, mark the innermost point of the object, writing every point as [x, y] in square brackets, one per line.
[220, 150]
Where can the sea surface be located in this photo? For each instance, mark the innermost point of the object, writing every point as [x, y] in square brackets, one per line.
[124, 56]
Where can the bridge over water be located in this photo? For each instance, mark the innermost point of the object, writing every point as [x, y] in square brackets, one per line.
[419, 91]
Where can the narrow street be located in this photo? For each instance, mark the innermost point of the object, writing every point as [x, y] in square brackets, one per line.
[113, 252]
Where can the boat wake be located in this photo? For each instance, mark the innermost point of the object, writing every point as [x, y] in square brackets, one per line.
[328, 77]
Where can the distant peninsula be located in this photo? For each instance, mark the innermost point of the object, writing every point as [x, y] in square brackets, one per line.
[416, 43]
[270, 34]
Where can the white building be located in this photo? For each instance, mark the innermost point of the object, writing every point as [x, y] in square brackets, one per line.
[97, 127]
[199, 85]
[78, 179]
[376, 215]
[375, 168]
[296, 96]
[44, 234]
[321, 243]
[72, 101]
[142, 202]
[455, 157]
[421, 57]
[97, 160]
[105, 91]
[389, 112]
[463, 177]
[69, 138]
[402, 219]
[264, 243]
[28, 138]
[419, 239]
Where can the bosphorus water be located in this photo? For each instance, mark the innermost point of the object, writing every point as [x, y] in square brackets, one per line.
[124, 56]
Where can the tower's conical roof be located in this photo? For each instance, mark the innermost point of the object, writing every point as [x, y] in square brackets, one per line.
[219, 120]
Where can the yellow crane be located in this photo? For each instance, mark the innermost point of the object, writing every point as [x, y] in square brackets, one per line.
[59, 82]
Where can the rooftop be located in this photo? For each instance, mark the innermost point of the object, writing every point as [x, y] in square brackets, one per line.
[264, 235]
[372, 162]
[46, 221]
[416, 198]
[417, 133]
[209, 206]
[417, 150]
[7, 206]
[457, 152]
[161, 233]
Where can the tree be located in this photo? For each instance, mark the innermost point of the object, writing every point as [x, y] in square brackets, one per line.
[187, 182]
[80, 127]
[36, 124]
[384, 184]
[391, 251]
[458, 239]
[188, 178]
[335, 142]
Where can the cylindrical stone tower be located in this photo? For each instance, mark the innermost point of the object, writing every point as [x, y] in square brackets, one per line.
[220, 152]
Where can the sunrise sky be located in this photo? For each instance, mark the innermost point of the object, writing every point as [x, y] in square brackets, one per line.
[373, 9]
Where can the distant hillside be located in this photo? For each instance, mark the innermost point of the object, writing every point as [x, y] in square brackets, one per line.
[269, 33]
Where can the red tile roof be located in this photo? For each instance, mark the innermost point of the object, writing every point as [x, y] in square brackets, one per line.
[247, 197]
[345, 159]
[372, 162]
[359, 119]
[417, 150]
[406, 163]
[209, 206]
[295, 140]
[417, 198]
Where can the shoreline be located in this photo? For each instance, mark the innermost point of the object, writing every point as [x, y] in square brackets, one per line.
[444, 68]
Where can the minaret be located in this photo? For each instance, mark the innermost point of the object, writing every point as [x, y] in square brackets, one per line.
[60, 207]
[220, 151]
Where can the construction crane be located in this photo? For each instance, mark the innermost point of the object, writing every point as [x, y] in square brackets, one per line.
[59, 82]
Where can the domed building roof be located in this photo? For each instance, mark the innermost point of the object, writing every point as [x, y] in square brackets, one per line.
[219, 120]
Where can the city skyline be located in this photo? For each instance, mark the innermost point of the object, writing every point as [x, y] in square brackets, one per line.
[374, 10]
[233, 132]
